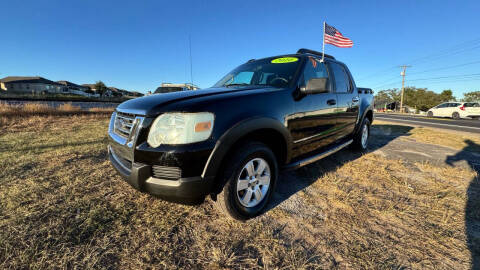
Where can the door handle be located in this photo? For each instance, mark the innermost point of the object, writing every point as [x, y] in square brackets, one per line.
[355, 99]
[331, 102]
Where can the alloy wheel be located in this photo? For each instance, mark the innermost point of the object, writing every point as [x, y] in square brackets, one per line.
[253, 182]
[364, 136]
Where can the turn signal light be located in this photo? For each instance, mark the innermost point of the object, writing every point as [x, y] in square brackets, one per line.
[203, 126]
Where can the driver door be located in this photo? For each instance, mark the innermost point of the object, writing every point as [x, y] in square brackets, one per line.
[314, 122]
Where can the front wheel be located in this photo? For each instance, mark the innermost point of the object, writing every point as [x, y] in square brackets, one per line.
[360, 139]
[430, 114]
[250, 178]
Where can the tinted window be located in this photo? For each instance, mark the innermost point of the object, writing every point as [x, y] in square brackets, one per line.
[342, 83]
[471, 104]
[314, 69]
[442, 105]
[454, 104]
[276, 72]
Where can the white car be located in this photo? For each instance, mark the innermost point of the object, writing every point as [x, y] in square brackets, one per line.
[456, 110]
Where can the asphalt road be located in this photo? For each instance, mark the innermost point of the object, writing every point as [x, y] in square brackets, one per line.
[468, 125]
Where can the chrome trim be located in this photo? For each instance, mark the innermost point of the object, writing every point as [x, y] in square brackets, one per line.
[138, 112]
[317, 157]
[135, 130]
[308, 138]
[116, 158]
[136, 126]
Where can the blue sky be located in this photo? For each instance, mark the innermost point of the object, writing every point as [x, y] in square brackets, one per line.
[137, 45]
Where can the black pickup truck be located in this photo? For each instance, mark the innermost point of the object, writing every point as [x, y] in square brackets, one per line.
[231, 140]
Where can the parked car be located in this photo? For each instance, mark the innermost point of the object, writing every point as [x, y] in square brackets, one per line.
[230, 141]
[456, 110]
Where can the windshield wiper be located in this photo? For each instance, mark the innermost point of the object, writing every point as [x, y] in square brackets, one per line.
[245, 84]
[236, 84]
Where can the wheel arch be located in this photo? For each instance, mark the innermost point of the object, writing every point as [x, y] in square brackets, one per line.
[369, 116]
[367, 113]
[269, 131]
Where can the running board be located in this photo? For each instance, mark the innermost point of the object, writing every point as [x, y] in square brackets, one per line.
[317, 157]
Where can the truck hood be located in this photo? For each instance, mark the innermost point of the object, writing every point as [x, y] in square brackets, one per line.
[145, 105]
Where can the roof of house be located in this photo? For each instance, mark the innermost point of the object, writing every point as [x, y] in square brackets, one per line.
[70, 84]
[26, 79]
[89, 85]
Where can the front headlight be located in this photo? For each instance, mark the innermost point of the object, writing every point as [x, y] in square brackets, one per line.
[180, 128]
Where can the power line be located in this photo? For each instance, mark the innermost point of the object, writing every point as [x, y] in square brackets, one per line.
[444, 68]
[389, 80]
[446, 77]
[459, 48]
[461, 77]
[376, 73]
[453, 50]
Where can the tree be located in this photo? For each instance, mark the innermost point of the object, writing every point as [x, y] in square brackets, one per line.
[471, 96]
[100, 88]
[420, 98]
[447, 95]
[386, 96]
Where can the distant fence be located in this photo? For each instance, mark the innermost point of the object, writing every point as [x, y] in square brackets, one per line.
[55, 104]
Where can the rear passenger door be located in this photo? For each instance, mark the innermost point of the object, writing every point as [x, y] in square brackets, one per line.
[453, 107]
[347, 99]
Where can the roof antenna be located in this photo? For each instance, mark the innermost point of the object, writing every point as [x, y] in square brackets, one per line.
[191, 66]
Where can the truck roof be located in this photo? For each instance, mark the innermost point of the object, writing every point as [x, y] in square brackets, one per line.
[300, 52]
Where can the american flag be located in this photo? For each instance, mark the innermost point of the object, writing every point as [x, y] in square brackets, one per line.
[334, 37]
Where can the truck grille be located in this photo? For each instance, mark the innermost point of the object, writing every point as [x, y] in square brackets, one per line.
[164, 172]
[123, 124]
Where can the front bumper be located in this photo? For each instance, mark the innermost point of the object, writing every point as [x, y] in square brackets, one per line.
[139, 176]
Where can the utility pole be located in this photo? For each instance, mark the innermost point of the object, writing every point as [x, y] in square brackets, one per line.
[403, 86]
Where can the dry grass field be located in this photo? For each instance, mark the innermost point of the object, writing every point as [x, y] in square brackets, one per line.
[63, 206]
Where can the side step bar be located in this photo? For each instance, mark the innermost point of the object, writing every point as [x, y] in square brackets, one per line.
[317, 157]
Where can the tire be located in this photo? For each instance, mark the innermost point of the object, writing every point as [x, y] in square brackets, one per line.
[247, 202]
[360, 143]
[455, 115]
[430, 114]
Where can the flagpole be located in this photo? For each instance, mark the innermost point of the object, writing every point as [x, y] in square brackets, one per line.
[323, 47]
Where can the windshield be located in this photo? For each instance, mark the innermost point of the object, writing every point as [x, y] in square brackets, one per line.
[274, 72]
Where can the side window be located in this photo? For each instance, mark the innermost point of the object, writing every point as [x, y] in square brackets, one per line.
[342, 82]
[471, 104]
[444, 105]
[314, 69]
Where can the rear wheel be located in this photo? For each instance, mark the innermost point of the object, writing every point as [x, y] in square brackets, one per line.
[360, 139]
[430, 114]
[455, 115]
[250, 178]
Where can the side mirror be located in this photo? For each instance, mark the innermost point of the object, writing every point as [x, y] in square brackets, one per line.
[316, 86]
